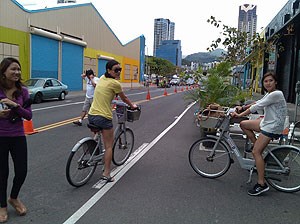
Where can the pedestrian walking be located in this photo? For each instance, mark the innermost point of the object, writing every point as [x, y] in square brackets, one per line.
[15, 105]
[91, 81]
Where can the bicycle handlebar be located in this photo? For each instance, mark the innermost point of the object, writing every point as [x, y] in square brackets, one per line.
[122, 104]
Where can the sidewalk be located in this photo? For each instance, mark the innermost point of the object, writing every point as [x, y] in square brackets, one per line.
[291, 108]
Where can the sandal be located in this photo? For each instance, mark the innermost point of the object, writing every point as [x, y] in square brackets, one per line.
[3, 215]
[18, 206]
[108, 179]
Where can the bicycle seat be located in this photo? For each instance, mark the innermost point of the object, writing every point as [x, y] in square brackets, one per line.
[94, 128]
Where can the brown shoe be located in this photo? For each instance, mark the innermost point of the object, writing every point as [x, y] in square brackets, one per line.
[3, 215]
[18, 206]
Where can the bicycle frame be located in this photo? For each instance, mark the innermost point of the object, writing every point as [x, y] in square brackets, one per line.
[245, 163]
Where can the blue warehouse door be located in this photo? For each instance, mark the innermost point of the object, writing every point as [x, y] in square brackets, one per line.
[101, 67]
[44, 57]
[72, 65]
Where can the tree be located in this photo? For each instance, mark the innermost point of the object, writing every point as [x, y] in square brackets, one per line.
[239, 45]
[160, 66]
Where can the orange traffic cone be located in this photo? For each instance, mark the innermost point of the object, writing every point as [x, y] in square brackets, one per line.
[175, 90]
[148, 97]
[28, 127]
[187, 88]
[165, 92]
[182, 89]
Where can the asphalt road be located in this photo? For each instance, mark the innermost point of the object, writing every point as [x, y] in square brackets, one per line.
[156, 186]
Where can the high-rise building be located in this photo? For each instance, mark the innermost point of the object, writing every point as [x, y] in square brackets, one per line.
[163, 30]
[247, 19]
[171, 51]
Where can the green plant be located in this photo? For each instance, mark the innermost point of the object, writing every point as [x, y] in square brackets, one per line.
[216, 88]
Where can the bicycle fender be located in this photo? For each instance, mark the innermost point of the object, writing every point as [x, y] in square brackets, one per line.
[279, 147]
[80, 142]
[284, 146]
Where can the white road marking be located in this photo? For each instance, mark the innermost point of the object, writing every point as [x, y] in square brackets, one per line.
[62, 105]
[118, 173]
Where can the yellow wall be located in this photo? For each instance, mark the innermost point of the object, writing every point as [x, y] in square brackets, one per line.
[92, 53]
[21, 39]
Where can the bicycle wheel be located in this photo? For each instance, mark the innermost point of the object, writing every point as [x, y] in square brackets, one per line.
[123, 146]
[78, 170]
[289, 156]
[205, 164]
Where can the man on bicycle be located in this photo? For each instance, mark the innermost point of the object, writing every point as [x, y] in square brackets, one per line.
[100, 113]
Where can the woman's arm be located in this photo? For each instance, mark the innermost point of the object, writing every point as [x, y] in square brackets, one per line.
[267, 100]
[125, 99]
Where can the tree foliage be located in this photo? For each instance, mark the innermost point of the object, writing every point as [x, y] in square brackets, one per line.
[215, 87]
[240, 46]
[160, 66]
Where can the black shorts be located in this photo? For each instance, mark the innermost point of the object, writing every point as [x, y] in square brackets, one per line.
[100, 121]
[271, 135]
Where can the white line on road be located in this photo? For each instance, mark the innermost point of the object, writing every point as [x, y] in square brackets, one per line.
[119, 173]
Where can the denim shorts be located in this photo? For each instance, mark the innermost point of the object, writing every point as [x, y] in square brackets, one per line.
[271, 135]
[100, 121]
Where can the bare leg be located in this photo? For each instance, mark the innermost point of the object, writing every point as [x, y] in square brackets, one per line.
[260, 144]
[249, 126]
[108, 138]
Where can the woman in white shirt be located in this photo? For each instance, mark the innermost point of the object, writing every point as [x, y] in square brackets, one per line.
[270, 126]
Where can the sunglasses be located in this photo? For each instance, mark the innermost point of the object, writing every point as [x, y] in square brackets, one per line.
[117, 70]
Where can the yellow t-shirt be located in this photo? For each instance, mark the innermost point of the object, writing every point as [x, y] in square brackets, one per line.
[105, 91]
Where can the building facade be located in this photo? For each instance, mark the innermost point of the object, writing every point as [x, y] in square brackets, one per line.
[61, 42]
[247, 19]
[171, 51]
[164, 29]
[285, 59]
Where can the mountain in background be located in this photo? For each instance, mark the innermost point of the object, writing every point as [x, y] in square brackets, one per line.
[203, 57]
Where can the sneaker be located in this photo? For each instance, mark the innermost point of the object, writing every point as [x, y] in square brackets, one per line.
[77, 123]
[258, 189]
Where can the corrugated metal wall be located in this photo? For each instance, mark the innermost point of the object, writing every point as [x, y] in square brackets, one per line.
[44, 54]
[72, 65]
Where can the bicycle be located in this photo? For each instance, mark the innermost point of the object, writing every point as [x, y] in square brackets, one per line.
[211, 157]
[88, 152]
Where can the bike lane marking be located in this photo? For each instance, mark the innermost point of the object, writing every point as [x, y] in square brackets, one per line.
[118, 173]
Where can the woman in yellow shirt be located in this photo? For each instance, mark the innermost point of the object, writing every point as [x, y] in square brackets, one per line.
[100, 113]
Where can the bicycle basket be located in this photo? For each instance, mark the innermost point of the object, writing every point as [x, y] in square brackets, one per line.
[133, 115]
[211, 118]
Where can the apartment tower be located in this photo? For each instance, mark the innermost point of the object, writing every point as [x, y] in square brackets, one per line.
[163, 30]
[247, 19]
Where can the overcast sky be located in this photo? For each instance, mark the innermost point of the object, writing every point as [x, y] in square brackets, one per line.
[129, 19]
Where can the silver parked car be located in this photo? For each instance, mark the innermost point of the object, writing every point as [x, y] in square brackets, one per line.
[46, 88]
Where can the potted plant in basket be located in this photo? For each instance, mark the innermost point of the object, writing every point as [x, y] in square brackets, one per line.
[215, 88]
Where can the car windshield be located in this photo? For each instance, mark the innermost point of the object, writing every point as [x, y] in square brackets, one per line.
[34, 82]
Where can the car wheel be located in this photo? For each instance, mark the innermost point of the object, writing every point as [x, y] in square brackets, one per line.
[62, 96]
[38, 98]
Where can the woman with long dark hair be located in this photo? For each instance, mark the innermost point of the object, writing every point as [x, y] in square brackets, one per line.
[270, 126]
[100, 113]
[14, 101]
